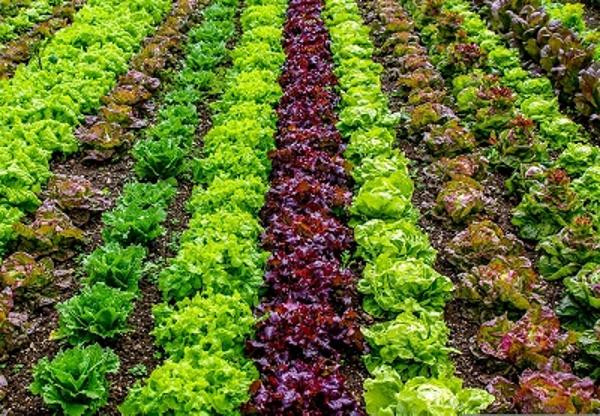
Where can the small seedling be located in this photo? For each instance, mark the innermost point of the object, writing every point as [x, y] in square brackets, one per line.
[138, 370]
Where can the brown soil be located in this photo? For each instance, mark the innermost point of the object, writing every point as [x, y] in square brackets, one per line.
[462, 318]
[592, 13]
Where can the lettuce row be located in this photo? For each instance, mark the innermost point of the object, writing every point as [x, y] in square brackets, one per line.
[37, 11]
[216, 276]
[409, 363]
[100, 312]
[45, 100]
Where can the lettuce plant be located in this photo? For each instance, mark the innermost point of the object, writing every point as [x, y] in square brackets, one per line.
[481, 242]
[159, 159]
[585, 286]
[460, 198]
[115, 266]
[571, 248]
[587, 188]
[494, 110]
[75, 380]
[387, 395]
[203, 383]
[472, 165]
[388, 283]
[218, 325]
[76, 193]
[400, 239]
[576, 158]
[504, 280]
[385, 198]
[246, 194]
[52, 232]
[299, 387]
[227, 266]
[589, 360]
[581, 305]
[517, 144]
[97, 313]
[23, 273]
[139, 213]
[547, 207]
[413, 343]
[545, 391]
[533, 339]
[449, 139]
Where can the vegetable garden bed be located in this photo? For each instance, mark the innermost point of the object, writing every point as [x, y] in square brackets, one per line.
[299, 207]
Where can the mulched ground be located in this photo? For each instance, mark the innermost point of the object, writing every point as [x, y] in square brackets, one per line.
[462, 318]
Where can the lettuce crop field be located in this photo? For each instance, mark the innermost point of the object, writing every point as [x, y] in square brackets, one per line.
[299, 207]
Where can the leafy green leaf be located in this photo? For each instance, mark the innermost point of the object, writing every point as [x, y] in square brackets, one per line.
[75, 380]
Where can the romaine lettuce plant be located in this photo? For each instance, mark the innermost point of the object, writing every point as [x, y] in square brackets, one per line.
[75, 380]
[547, 207]
[571, 248]
[117, 267]
[97, 313]
[588, 364]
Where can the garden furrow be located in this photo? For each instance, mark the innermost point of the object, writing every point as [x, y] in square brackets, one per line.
[75, 190]
[211, 285]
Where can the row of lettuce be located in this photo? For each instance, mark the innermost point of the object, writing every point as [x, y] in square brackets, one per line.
[75, 380]
[555, 37]
[517, 114]
[212, 284]
[409, 361]
[308, 334]
[46, 99]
